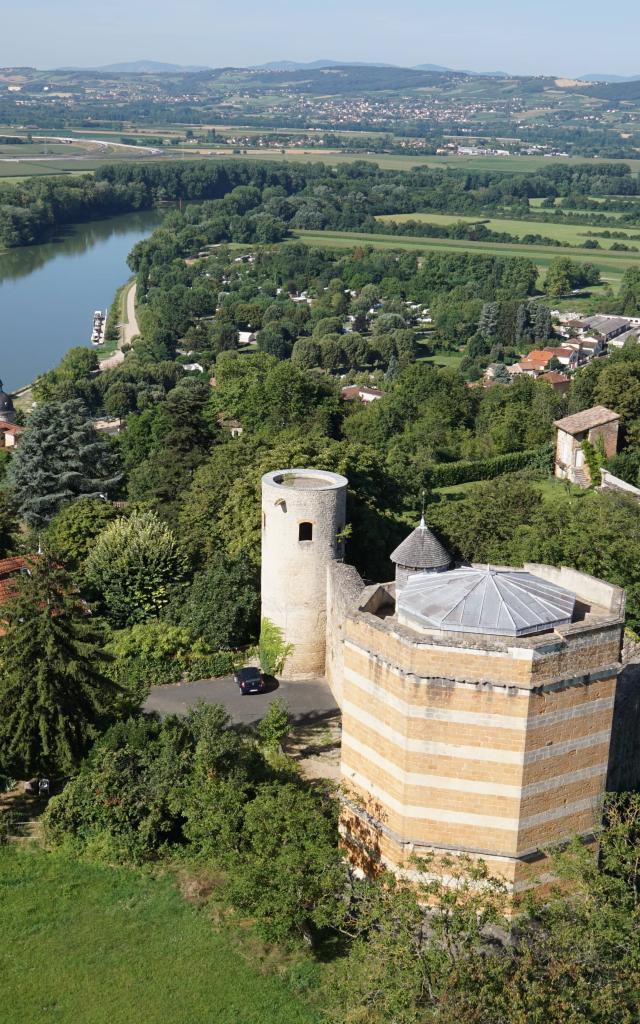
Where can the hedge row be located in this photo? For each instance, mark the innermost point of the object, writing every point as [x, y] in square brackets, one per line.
[449, 473]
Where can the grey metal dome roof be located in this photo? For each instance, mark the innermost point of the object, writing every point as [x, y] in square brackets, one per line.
[421, 550]
[480, 599]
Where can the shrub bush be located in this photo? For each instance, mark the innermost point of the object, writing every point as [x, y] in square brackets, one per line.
[449, 473]
[152, 653]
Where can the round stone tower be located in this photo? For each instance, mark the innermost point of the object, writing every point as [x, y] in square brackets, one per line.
[303, 515]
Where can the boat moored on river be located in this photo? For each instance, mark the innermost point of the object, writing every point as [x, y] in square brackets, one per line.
[99, 327]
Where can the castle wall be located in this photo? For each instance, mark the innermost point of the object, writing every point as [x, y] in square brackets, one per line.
[491, 746]
[344, 588]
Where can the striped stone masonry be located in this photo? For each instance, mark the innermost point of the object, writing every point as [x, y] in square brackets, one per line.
[491, 746]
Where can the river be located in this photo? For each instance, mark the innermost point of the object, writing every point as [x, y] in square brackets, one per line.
[48, 292]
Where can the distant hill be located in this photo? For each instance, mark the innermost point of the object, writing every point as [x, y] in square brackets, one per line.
[140, 67]
[609, 78]
[627, 91]
[316, 65]
[462, 71]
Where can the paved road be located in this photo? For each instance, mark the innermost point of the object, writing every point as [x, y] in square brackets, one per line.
[309, 700]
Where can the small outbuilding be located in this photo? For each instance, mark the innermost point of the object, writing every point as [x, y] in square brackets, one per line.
[598, 426]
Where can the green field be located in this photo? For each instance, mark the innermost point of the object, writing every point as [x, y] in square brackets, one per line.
[569, 234]
[389, 161]
[83, 944]
[612, 265]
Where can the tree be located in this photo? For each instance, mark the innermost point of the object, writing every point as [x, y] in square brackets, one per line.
[54, 693]
[306, 354]
[559, 279]
[61, 458]
[276, 724]
[71, 377]
[488, 322]
[126, 803]
[272, 649]
[629, 294]
[8, 525]
[523, 323]
[74, 529]
[541, 322]
[134, 566]
[222, 605]
[291, 875]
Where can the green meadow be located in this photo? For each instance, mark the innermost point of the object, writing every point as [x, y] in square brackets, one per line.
[84, 944]
[612, 265]
[568, 234]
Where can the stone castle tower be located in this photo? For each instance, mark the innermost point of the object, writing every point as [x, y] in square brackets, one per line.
[303, 516]
[477, 701]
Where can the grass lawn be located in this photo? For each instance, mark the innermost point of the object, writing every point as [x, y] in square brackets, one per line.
[549, 488]
[83, 944]
[611, 264]
[569, 234]
[447, 359]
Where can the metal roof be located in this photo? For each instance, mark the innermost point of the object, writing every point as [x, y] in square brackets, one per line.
[421, 550]
[481, 599]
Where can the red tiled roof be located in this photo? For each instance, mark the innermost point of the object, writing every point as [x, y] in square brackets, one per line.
[553, 377]
[355, 390]
[10, 569]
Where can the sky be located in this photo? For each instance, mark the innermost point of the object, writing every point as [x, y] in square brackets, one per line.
[562, 37]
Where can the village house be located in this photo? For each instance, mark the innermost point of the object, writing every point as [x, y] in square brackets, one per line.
[607, 327]
[246, 337]
[232, 426]
[360, 393]
[537, 361]
[558, 381]
[596, 425]
[9, 434]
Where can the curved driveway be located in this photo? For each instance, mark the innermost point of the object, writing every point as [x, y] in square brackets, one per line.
[309, 700]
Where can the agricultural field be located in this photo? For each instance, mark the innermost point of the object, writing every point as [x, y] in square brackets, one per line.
[387, 161]
[143, 951]
[612, 265]
[568, 234]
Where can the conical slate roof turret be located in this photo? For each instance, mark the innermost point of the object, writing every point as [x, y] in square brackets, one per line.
[7, 411]
[420, 552]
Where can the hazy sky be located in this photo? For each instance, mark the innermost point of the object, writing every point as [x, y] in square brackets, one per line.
[569, 37]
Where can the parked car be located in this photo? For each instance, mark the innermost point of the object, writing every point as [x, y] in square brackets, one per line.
[250, 680]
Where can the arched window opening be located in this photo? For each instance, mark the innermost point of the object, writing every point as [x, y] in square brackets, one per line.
[305, 531]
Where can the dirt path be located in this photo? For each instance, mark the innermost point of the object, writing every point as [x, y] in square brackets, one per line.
[128, 331]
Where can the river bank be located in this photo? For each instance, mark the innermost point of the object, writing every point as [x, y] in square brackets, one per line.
[48, 292]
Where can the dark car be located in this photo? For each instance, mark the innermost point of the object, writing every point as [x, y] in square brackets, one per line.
[250, 680]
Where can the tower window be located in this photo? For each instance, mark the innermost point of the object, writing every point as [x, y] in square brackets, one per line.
[305, 531]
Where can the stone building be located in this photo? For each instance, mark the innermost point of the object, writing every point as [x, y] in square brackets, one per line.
[593, 425]
[303, 516]
[477, 701]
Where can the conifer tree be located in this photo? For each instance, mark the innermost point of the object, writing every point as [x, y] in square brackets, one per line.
[523, 323]
[542, 323]
[60, 458]
[488, 322]
[53, 693]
